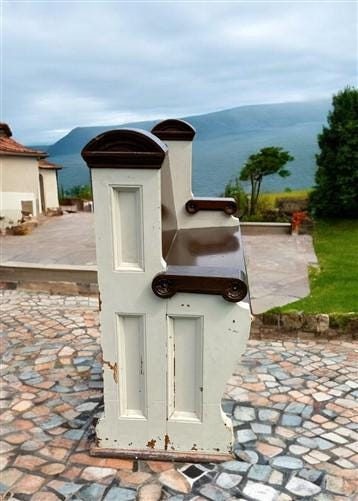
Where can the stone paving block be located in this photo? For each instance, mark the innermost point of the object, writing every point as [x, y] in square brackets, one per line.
[28, 484]
[214, 493]
[64, 488]
[260, 492]
[269, 415]
[244, 413]
[175, 480]
[344, 463]
[52, 469]
[276, 477]
[334, 484]
[120, 494]
[302, 488]
[291, 420]
[243, 436]
[248, 456]
[153, 492]
[228, 480]
[295, 408]
[93, 473]
[10, 476]
[260, 472]
[28, 462]
[311, 475]
[287, 463]
[133, 479]
[236, 466]
[92, 492]
[333, 437]
[261, 429]
[268, 450]
[298, 449]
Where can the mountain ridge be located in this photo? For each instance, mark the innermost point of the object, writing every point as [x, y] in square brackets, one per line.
[224, 138]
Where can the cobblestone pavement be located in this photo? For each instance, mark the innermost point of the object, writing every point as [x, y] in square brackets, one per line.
[294, 407]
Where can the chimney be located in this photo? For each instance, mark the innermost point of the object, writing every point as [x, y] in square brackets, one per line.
[5, 130]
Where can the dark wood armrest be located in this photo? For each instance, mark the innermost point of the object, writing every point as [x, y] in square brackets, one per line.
[201, 281]
[227, 205]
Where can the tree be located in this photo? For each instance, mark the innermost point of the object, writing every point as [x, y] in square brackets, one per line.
[235, 190]
[83, 191]
[336, 190]
[270, 160]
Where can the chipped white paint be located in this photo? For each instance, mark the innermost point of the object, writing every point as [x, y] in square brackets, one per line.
[165, 361]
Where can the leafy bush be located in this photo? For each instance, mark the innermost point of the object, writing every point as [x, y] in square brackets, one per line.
[336, 193]
[235, 190]
[82, 192]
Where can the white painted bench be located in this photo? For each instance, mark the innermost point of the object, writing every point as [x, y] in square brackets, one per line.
[175, 311]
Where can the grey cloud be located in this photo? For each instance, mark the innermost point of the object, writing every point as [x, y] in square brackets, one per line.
[76, 64]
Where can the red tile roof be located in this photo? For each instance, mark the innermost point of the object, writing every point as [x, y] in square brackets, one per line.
[45, 164]
[10, 147]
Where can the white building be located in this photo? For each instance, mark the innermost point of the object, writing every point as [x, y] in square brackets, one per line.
[28, 182]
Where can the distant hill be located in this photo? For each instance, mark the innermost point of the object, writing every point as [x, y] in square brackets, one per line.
[223, 142]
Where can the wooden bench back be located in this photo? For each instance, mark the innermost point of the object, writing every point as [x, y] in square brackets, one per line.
[169, 217]
[178, 136]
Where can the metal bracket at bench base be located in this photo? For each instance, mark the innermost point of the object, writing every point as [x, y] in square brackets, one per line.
[151, 455]
[231, 289]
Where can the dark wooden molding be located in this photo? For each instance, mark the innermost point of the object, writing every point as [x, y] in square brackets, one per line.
[125, 148]
[166, 285]
[175, 130]
[227, 205]
[161, 455]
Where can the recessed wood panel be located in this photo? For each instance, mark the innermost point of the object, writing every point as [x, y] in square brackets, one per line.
[127, 228]
[185, 371]
[131, 366]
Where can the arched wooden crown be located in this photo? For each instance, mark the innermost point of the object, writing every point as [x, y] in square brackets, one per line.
[175, 130]
[125, 148]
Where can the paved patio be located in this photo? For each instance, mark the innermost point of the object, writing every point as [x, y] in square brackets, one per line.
[294, 405]
[277, 264]
[67, 239]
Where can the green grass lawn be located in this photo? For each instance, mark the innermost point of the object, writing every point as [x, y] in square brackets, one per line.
[334, 287]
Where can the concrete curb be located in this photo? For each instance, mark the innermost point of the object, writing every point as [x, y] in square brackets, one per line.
[250, 228]
[52, 279]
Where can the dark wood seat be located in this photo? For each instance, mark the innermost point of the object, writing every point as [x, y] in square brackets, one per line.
[205, 261]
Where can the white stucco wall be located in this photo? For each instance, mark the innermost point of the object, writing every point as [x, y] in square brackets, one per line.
[50, 188]
[10, 204]
[19, 181]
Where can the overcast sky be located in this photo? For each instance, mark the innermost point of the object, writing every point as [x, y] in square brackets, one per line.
[68, 64]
